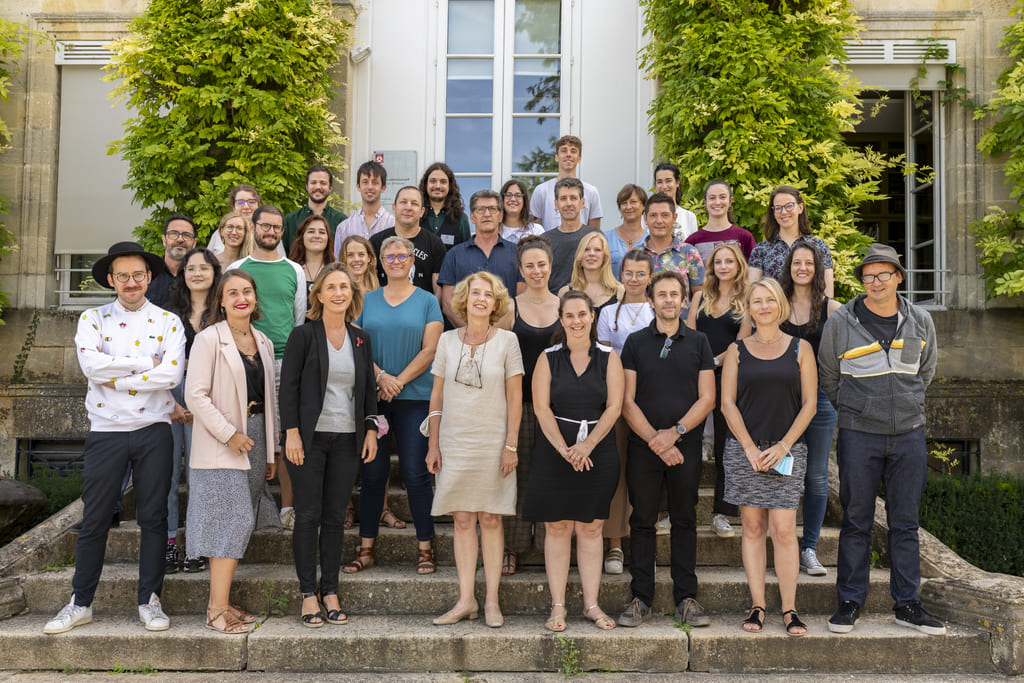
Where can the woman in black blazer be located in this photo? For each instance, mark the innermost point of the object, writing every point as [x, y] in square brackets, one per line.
[328, 405]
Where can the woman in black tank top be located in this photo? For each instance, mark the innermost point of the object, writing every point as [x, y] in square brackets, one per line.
[803, 282]
[769, 389]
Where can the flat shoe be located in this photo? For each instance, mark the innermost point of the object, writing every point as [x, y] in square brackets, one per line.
[556, 624]
[232, 625]
[493, 617]
[600, 619]
[388, 519]
[454, 616]
[509, 563]
[794, 622]
[241, 614]
[364, 560]
[755, 619]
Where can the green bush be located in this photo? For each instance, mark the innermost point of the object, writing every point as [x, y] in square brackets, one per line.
[59, 489]
[979, 518]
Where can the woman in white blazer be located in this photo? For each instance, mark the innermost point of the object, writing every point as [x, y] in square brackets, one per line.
[230, 391]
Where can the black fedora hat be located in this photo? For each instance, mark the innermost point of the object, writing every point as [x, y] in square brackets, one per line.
[101, 268]
[880, 253]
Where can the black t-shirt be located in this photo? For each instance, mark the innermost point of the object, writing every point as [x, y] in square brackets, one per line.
[428, 254]
[882, 328]
[667, 387]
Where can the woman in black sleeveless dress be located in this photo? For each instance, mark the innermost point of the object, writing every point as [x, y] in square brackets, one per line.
[577, 391]
[769, 395]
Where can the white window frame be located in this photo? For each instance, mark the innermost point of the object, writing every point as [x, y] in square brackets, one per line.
[935, 298]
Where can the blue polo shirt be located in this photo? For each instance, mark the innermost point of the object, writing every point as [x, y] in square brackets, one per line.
[467, 258]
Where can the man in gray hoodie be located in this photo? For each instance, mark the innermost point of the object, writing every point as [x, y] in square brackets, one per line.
[876, 359]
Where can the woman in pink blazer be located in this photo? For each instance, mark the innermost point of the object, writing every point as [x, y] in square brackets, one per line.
[230, 391]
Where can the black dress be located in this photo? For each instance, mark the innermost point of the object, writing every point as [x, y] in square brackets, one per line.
[555, 491]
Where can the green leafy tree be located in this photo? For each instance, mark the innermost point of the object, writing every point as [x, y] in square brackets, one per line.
[750, 92]
[1000, 234]
[225, 92]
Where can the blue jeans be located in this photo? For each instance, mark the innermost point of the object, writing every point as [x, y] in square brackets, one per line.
[181, 445]
[902, 463]
[404, 418]
[819, 444]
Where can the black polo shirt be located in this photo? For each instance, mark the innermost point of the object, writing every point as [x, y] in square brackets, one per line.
[666, 388]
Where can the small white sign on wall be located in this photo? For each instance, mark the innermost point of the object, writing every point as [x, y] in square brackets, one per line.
[401, 168]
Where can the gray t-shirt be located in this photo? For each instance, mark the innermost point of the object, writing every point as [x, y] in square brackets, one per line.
[563, 251]
[339, 411]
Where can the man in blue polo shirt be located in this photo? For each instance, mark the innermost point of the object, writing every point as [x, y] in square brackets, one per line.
[486, 251]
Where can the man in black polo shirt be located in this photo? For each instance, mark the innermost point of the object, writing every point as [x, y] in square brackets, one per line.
[670, 389]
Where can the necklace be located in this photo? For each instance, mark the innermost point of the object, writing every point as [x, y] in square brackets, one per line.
[309, 275]
[244, 333]
[465, 339]
[766, 343]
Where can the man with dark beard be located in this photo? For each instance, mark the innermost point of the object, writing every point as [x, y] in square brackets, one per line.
[319, 184]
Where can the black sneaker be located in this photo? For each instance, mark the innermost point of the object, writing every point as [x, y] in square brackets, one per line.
[172, 559]
[845, 617]
[194, 564]
[912, 615]
[636, 613]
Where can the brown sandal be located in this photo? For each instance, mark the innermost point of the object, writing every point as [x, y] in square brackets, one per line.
[364, 560]
[388, 519]
[241, 614]
[350, 515]
[232, 625]
[509, 564]
[425, 562]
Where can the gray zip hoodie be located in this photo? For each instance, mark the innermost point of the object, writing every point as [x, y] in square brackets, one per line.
[874, 391]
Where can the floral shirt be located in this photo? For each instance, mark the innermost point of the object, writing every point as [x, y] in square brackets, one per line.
[770, 256]
[684, 258]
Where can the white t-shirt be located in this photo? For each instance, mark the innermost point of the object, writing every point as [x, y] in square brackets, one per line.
[632, 317]
[542, 204]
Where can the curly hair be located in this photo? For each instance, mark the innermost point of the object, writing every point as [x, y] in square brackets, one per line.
[453, 206]
[460, 297]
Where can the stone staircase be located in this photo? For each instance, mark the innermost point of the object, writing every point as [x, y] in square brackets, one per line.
[391, 608]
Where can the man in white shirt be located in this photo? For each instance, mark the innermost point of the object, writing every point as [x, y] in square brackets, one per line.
[568, 152]
[132, 353]
[371, 218]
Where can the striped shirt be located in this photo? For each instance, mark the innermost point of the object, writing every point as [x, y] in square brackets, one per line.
[356, 225]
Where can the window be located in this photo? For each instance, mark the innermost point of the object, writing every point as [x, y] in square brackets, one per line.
[504, 95]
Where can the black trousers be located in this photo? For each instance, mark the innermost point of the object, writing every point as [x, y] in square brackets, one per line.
[107, 456]
[322, 485]
[646, 474]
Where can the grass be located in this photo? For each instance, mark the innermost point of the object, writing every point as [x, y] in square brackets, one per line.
[68, 561]
[569, 655]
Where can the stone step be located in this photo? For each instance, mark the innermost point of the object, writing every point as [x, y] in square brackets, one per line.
[399, 644]
[398, 546]
[264, 588]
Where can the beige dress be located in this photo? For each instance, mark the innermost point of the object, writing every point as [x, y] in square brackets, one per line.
[473, 425]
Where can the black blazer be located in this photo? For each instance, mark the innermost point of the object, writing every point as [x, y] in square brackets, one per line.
[304, 381]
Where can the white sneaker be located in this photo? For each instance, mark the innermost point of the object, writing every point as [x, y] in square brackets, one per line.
[707, 452]
[613, 561]
[288, 519]
[809, 563]
[720, 525]
[69, 616]
[664, 526]
[152, 615]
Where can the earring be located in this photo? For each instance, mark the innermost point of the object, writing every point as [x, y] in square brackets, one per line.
[222, 310]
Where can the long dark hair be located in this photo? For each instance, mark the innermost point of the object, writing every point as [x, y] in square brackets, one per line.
[720, 181]
[817, 282]
[453, 206]
[218, 313]
[524, 213]
[298, 251]
[770, 224]
[181, 296]
[559, 336]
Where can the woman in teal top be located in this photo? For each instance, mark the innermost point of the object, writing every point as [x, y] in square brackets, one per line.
[404, 323]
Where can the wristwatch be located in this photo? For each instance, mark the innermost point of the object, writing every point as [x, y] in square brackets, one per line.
[681, 428]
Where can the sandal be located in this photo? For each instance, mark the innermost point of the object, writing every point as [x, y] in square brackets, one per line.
[231, 624]
[556, 624]
[350, 515]
[388, 519]
[601, 620]
[318, 616]
[334, 616]
[794, 622]
[241, 614]
[756, 619]
[425, 562]
[364, 560]
[509, 563]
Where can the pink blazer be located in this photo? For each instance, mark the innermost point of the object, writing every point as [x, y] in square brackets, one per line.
[215, 393]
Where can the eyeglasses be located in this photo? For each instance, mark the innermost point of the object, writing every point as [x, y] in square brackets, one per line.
[247, 202]
[487, 209]
[881, 277]
[138, 276]
[270, 227]
[177, 235]
[513, 195]
[234, 228]
[630, 275]
[392, 258]
[665, 348]
[788, 208]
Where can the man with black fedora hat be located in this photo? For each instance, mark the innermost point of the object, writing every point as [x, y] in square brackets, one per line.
[132, 353]
[876, 359]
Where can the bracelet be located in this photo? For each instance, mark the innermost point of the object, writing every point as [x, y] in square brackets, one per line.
[511, 448]
[786, 446]
[376, 380]
[432, 413]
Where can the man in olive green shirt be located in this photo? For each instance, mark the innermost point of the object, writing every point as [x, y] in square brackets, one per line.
[319, 184]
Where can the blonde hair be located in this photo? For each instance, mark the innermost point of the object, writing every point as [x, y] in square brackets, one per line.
[776, 289]
[578, 280]
[316, 308]
[460, 297]
[248, 242]
[712, 285]
[370, 281]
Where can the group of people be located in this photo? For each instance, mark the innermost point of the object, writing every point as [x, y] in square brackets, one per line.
[556, 380]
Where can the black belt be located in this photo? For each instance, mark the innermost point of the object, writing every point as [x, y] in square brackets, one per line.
[254, 408]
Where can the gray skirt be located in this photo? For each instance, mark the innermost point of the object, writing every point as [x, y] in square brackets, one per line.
[745, 486]
[224, 506]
